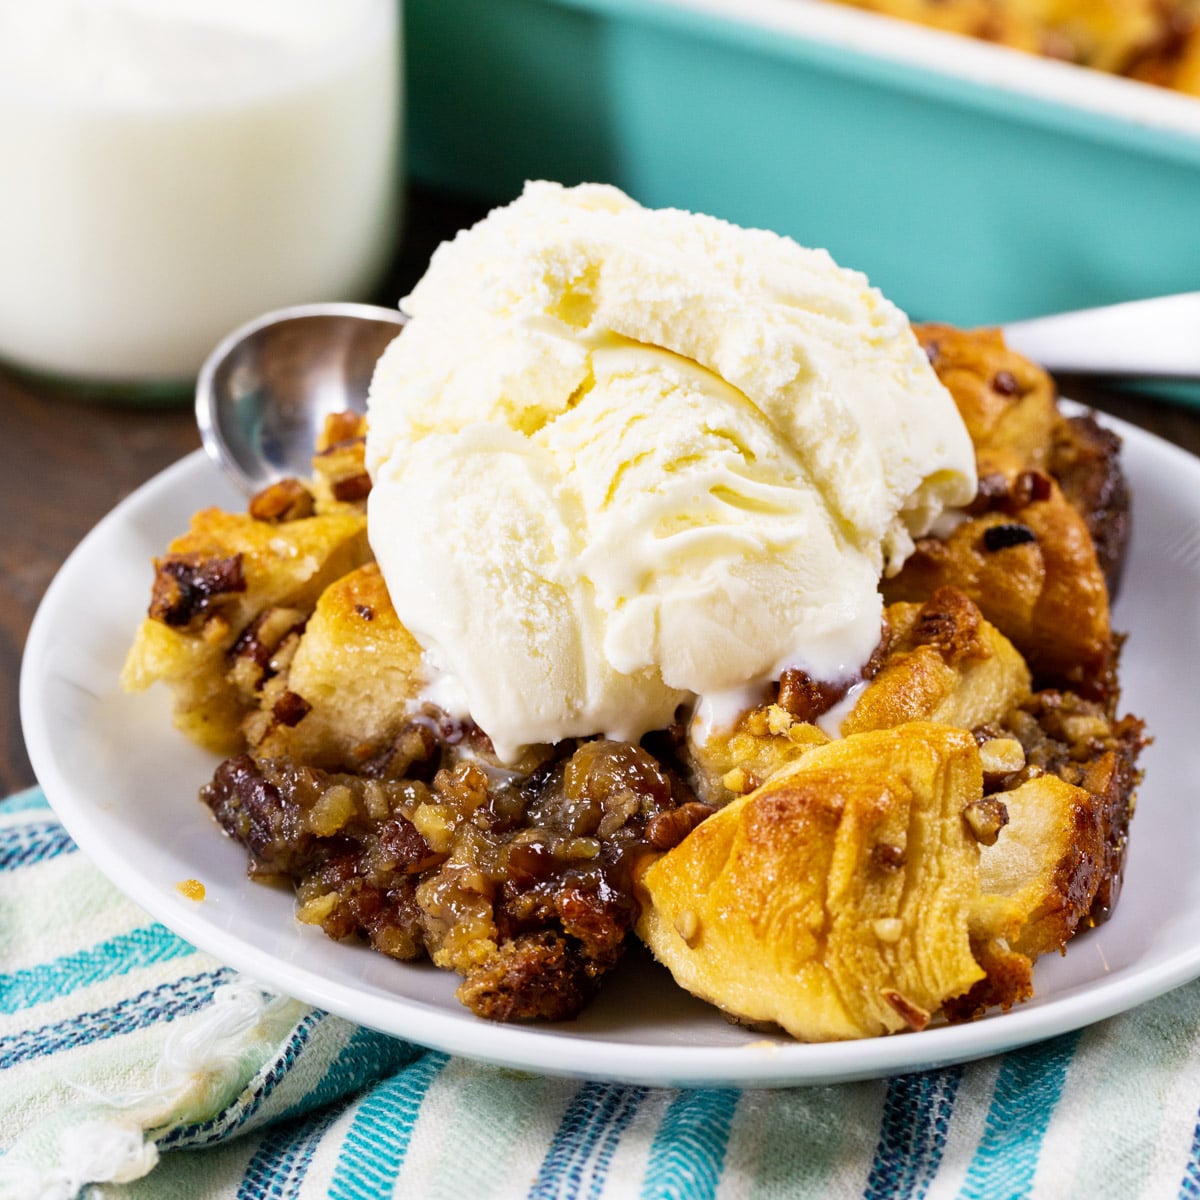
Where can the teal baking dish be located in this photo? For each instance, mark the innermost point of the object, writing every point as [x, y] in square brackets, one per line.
[971, 183]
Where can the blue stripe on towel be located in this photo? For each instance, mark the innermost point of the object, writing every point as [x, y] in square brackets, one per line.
[374, 1147]
[278, 1167]
[366, 1057]
[689, 1146]
[1028, 1088]
[24, 845]
[630, 1102]
[586, 1140]
[163, 1003]
[26, 801]
[117, 956]
[1189, 1187]
[912, 1139]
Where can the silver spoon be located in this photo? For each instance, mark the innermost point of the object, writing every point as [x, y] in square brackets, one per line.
[1148, 339]
[263, 393]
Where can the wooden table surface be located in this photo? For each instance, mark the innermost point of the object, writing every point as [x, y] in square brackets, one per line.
[70, 461]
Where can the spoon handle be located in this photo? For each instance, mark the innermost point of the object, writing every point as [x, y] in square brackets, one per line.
[1150, 338]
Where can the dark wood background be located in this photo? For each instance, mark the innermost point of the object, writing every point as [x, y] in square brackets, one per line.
[69, 461]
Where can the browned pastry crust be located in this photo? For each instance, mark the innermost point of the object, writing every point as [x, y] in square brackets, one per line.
[1030, 565]
[1010, 408]
[227, 597]
[1051, 818]
[1080, 743]
[943, 663]
[1046, 533]
[939, 661]
[1085, 459]
[354, 665]
[1007, 403]
[1171, 56]
[847, 880]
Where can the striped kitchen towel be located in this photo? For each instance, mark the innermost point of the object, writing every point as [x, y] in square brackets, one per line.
[132, 1065]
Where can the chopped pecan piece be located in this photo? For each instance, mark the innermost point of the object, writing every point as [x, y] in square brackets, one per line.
[914, 1014]
[186, 586]
[259, 641]
[340, 470]
[668, 828]
[283, 500]
[405, 848]
[991, 492]
[352, 487]
[1028, 487]
[806, 698]
[950, 623]
[986, 817]
[341, 427]
[996, 492]
[290, 709]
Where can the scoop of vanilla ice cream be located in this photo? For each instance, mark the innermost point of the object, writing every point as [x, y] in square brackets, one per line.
[624, 458]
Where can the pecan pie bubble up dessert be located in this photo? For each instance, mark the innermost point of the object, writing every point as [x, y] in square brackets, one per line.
[625, 458]
[674, 588]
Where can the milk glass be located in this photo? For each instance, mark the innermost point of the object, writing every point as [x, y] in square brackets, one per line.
[172, 168]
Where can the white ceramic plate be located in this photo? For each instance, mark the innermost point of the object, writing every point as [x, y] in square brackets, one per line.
[124, 783]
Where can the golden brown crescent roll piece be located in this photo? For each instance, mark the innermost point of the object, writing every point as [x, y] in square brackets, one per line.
[1045, 863]
[945, 664]
[1010, 408]
[1028, 553]
[234, 586]
[1008, 404]
[355, 669]
[1040, 878]
[835, 900]
[1028, 562]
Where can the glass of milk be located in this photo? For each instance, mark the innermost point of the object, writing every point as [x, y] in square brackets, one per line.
[171, 168]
